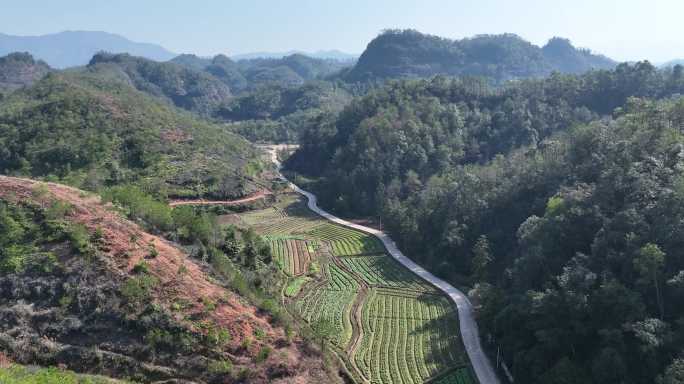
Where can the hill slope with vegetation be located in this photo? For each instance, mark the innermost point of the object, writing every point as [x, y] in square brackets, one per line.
[408, 53]
[92, 131]
[183, 87]
[19, 70]
[557, 199]
[281, 114]
[249, 75]
[84, 288]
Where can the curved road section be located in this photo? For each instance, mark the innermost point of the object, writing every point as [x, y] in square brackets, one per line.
[469, 332]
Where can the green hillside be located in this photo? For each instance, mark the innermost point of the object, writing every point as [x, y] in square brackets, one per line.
[187, 88]
[90, 129]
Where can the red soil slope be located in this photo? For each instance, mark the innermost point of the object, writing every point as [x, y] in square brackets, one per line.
[127, 244]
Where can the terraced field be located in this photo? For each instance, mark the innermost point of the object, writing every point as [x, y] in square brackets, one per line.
[415, 332]
[382, 271]
[293, 254]
[392, 326]
[327, 303]
[345, 241]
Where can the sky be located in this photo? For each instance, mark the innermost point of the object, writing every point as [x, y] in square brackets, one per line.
[624, 30]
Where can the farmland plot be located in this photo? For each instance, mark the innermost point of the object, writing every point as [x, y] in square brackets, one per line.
[408, 338]
[332, 303]
[393, 326]
[382, 270]
[346, 242]
[293, 254]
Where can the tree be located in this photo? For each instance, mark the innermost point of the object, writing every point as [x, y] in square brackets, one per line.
[649, 263]
[674, 374]
[482, 257]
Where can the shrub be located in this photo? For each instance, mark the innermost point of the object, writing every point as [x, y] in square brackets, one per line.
[138, 288]
[141, 268]
[263, 354]
[218, 337]
[220, 367]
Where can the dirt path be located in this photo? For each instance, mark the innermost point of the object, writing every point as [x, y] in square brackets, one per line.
[468, 326]
[253, 197]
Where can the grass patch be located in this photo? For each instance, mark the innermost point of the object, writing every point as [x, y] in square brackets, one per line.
[295, 285]
[17, 374]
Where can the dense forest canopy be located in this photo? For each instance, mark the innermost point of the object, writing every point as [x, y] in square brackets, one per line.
[409, 53]
[558, 198]
[280, 114]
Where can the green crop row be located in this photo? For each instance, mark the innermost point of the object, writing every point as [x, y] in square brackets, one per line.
[408, 340]
[331, 306]
[384, 271]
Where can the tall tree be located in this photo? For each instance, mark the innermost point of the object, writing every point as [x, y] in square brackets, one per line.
[649, 263]
[482, 258]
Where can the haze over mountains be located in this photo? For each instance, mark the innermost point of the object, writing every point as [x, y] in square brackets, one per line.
[394, 53]
[332, 54]
[74, 48]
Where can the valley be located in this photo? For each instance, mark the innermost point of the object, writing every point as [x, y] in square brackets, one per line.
[472, 208]
[355, 283]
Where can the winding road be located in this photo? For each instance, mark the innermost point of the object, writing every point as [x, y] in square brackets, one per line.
[469, 332]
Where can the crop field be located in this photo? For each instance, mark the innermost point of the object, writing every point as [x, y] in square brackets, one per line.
[408, 338]
[383, 271]
[332, 304]
[392, 326]
[293, 254]
[345, 241]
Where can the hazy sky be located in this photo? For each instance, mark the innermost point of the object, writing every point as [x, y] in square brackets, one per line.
[623, 30]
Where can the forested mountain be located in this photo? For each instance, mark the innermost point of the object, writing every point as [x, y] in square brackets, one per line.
[251, 74]
[560, 198]
[187, 88]
[92, 130]
[75, 48]
[408, 53]
[280, 114]
[19, 70]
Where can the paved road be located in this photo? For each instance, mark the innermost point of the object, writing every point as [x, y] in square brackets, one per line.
[469, 332]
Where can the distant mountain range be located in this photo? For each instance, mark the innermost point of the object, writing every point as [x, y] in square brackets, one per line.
[329, 54]
[409, 53]
[75, 48]
[672, 63]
